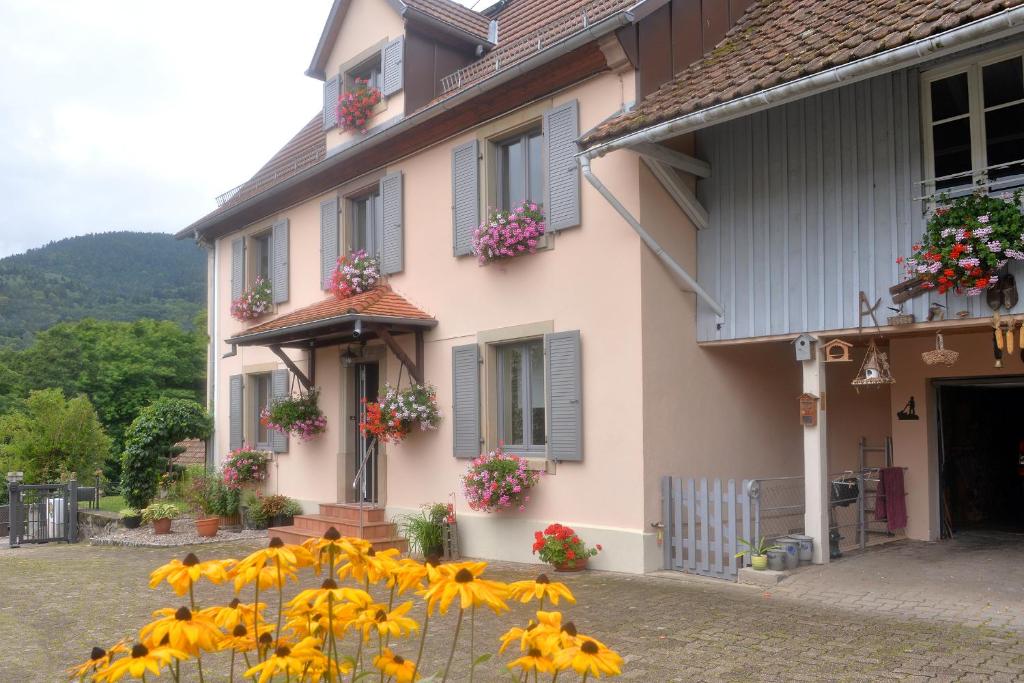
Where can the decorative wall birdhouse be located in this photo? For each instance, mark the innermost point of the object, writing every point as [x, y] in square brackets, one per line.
[808, 410]
[875, 368]
[803, 345]
[836, 351]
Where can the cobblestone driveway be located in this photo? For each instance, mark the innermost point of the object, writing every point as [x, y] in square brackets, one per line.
[57, 601]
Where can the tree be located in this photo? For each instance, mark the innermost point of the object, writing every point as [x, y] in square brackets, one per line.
[148, 442]
[52, 437]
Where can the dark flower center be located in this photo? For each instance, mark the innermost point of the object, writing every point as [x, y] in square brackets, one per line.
[381, 615]
[434, 561]
[166, 640]
[97, 653]
[463, 576]
[589, 646]
[399, 660]
[329, 584]
[570, 628]
[139, 650]
[371, 552]
[534, 652]
[190, 560]
[283, 651]
[266, 639]
[543, 578]
[276, 542]
[183, 614]
[239, 631]
[332, 534]
[235, 602]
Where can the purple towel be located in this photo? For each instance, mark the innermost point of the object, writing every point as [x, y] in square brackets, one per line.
[890, 498]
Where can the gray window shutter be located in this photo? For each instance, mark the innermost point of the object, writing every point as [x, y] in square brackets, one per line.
[279, 265]
[235, 401]
[279, 386]
[391, 58]
[332, 91]
[466, 400]
[465, 196]
[564, 395]
[237, 267]
[328, 240]
[562, 186]
[392, 230]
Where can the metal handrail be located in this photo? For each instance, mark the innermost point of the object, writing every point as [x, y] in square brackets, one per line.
[359, 483]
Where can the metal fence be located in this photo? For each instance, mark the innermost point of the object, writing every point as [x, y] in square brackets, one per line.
[41, 513]
[5, 525]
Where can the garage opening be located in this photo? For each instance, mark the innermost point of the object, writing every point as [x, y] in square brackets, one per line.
[981, 455]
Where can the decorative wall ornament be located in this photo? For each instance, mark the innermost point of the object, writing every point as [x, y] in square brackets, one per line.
[875, 368]
[941, 355]
[836, 351]
[909, 412]
[808, 410]
[868, 309]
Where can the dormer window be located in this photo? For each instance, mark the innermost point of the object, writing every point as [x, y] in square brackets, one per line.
[368, 72]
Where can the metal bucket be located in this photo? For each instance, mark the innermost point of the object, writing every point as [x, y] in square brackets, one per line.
[777, 559]
[791, 548]
[806, 546]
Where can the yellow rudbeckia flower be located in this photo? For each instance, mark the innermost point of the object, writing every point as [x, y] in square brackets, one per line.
[98, 658]
[525, 636]
[138, 662]
[368, 565]
[393, 623]
[401, 669]
[591, 658]
[183, 630]
[280, 661]
[234, 613]
[183, 574]
[533, 660]
[540, 589]
[463, 581]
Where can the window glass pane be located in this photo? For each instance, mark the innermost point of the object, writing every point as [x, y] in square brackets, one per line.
[952, 143]
[261, 391]
[362, 223]
[536, 193]
[537, 435]
[512, 190]
[1003, 82]
[261, 257]
[512, 395]
[949, 97]
[1004, 139]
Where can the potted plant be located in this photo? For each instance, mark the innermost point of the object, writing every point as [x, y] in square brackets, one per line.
[130, 518]
[425, 531]
[509, 233]
[299, 415]
[267, 511]
[758, 552]
[160, 516]
[203, 496]
[227, 506]
[253, 303]
[392, 417]
[245, 466]
[498, 481]
[560, 546]
[355, 274]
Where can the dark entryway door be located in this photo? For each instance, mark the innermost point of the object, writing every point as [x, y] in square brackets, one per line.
[367, 382]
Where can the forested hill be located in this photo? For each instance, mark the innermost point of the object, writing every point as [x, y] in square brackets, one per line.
[107, 276]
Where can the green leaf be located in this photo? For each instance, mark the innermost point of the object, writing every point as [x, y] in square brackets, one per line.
[486, 657]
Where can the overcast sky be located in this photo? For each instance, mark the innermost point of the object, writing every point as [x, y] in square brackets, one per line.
[135, 114]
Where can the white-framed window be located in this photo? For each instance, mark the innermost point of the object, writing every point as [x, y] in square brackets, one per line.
[365, 222]
[260, 395]
[520, 169]
[259, 247]
[520, 396]
[973, 115]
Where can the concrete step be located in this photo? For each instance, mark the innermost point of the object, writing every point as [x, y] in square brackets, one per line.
[321, 523]
[350, 512]
[296, 535]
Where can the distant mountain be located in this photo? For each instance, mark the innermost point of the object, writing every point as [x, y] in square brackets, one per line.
[108, 276]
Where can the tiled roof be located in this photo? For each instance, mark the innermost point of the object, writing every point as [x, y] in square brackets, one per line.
[381, 301]
[454, 14]
[194, 453]
[777, 41]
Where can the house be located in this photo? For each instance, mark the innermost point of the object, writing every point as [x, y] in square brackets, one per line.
[718, 178]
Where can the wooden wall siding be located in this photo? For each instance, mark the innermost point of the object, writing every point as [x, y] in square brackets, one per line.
[427, 61]
[811, 203]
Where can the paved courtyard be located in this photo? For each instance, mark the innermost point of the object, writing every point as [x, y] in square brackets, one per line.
[57, 601]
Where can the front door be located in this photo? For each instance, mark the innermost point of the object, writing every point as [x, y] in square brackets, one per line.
[366, 385]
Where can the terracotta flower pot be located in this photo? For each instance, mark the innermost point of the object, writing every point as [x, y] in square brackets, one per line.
[162, 525]
[576, 565]
[207, 527]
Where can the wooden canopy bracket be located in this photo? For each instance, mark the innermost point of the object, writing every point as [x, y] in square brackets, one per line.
[415, 368]
[306, 382]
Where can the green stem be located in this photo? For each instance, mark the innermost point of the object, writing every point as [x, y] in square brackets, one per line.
[554, 676]
[380, 652]
[199, 664]
[423, 639]
[359, 654]
[232, 679]
[586, 674]
[256, 621]
[472, 642]
[455, 640]
[280, 600]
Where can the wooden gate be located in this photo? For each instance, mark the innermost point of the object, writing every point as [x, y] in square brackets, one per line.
[703, 524]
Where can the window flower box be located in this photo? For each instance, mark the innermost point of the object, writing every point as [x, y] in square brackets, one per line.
[299, 415]
[506, 234]
[245, 465]
[253, 303]
[393, 417]
[355, 274]
[355, 106]
[498, 481]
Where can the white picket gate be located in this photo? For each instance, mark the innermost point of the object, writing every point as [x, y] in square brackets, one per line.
[703, 525]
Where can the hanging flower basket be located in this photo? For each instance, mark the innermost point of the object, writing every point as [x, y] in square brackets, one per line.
[299, 415]
[254, 302]
[355, 274]
[498, 481]
[967, 241]
[391, 418]
[355, 106]
[509, 233]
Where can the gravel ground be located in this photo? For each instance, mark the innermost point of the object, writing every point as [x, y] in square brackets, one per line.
[183, 532]
[59, 600]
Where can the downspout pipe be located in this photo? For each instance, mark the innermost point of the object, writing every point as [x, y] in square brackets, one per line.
[647, 239]
[982, 31]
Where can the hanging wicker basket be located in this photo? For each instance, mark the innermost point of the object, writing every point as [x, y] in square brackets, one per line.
[941, 355]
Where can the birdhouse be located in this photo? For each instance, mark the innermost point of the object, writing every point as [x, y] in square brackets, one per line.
[802, 344]
[875, 368]
[836, 351]
[808, 410]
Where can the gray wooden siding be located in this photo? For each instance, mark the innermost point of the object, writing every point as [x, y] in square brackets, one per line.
[811, 203]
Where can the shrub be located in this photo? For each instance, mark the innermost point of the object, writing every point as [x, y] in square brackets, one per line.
[263, 509]
[245, 465]
[355, 274]
[300, 415]
[559, 545]
[497, 480]
[509, 233]
[392, 417]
